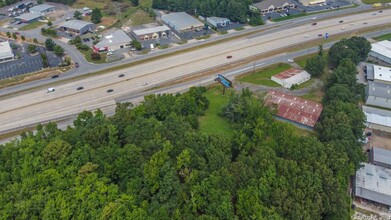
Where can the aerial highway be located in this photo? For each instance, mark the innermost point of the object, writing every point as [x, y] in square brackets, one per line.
[39, 106]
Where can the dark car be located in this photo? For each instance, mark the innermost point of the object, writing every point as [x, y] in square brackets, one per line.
[229, 57]
[121, 75]
[340, 21]
[380, 11]
[76, 65]
[80, 88]
[55, 76]
[319, 35]
[110, 90]
[314, 23]
[17, 33]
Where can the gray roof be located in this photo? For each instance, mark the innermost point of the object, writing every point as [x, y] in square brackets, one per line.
[265, 4]
[28, 17]
[181, 20]
[217, 19]
[370, 72]
[374, 183]
[381, 155]
[378, 94]
[377, 116]
[151, 30]
[76, 24]
[41, 8]
[117, 37]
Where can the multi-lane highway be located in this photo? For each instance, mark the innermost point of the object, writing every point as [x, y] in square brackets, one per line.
[38, 106]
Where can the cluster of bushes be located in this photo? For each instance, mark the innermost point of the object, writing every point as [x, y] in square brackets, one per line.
[50, 32]
[79, 44]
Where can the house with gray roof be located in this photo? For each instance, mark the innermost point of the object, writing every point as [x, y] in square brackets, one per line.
[42, 9]
[268, 6]
[113, 41]
[218, 22]
[379, 119]
[151, 33]
[381, 157]
[77, 27]
[181, 21]
[28, 18]
[378, 94]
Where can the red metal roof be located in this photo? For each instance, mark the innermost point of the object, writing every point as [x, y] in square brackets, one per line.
[294, 108]
[288, 73]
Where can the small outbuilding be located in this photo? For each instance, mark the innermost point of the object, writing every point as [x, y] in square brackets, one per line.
[382, 51]
[151, 33]
[181, 21]
[43, 9]
[6, 53]
[28, 17]
[291, 77]
[116, 40]
[218, 22]
[77, 27]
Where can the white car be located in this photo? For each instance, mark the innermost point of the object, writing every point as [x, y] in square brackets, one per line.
[290, 60]
[111, 50]
[314, 18]
[145, 83]
[306, 36]
[50, 90]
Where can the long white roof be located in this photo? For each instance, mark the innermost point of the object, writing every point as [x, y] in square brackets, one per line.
[151, 30]
[382, 47]
[5, 50]
[377, 116]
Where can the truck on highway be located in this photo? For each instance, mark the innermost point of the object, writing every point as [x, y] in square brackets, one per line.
[376, 5]
[152, 47]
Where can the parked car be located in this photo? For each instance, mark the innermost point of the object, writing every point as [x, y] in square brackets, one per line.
[76, 64]
[17, 33]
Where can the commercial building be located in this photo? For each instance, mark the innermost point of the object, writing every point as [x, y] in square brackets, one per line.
[373, 183]
[378, 94]
[291, 77]
[312, 2]
[218, 22]
[268, 6]
[77, 27]
[378, 119]
[378, 73]
[381, 157]
[181, 21]
[28, 18]
[294, 109]
[116, 40]
[382, 51]
[151, 33]
[41, 9]
[5, 51]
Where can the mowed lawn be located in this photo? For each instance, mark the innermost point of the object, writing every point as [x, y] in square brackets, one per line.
[383, 37]
[263, 76]
[375, 1]
[211, 122]
[32, 26]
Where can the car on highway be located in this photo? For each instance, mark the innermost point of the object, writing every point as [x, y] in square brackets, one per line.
[374, 14]
[76, 64]
[306, 36]
[340, 21]
[145, 83]
[314, 18]
[110, 90]
[380, 11]
[121, 75]
[50, 90]
[80, 88]
[365, 22]
[313, 24]
[290, 60]
[319, 35]
[229, 57]
[55, 76]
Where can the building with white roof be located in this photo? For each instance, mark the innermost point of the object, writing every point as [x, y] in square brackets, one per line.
[311, 2]
[28, 17]
[42, 9]
[378, 119]
[218, 22]
[373, 183]
[379, 73]
[381, 157]
[181, 21]
[151, 33]
[291, 77]
[6, 51]
[382, 51]
[77, 27]
[116, 40]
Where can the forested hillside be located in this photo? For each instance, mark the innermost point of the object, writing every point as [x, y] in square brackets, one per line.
[152, 162]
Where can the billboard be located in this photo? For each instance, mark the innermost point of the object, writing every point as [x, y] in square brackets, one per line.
[224, 81]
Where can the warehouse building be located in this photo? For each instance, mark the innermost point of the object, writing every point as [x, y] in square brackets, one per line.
[300, 112]
[218, 22]
[77, 27]
[312, 2]
[28, 18]
[378, 119]
[382, 51]
[381, 157]
[6, 51]
[269, 6]
[151, 33]
[373, 183]
[181, 21]
[42, 9]
[378, 73]
[116, 40]
[291, 77]
[378, 94]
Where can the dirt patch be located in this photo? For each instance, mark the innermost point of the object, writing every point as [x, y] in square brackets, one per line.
[108, 21]
[29, 77]
[379, 138]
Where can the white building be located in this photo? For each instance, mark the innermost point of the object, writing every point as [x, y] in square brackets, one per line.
[382, 51]
[378, 119]
[380, 73]
[373, 183]
[291, 77]
[181, 21]
[116, 40]
[5, 51]
[218, 22]
[312, 2]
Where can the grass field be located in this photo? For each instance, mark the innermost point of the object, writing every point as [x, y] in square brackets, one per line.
[32, 26]
[87, 55]
[262, 77]
[211, 122]
[383, 37]
[375, 1]
[140, 17]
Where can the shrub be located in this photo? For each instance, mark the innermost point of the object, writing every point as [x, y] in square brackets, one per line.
[95, 56]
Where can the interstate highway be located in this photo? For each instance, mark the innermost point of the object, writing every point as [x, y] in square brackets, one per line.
[39, 106]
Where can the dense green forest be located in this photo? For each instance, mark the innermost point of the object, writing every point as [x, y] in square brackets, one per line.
[152, 162]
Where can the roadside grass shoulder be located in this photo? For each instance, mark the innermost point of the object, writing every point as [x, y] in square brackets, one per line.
[263, 76]
[383, 37]
[32, 26]
[212, 122]
[375, 1]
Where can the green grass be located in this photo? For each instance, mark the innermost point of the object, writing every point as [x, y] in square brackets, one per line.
[239, 29]
[305, 84]
[290, 17]
[140, 17]
[383, 37]
[262, 77]
[87, 55]
[32, 26]
[375, 1]
[211, 122]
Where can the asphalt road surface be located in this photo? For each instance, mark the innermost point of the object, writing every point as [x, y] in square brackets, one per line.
[38, 106]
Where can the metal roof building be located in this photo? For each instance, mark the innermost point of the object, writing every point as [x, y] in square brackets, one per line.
[151, 33]
[378, 94]
[181, 21]
[77, 26]
[116, 40]
[268, 6]
[290, 77]
[373, 183]
[41, 9]
[218, 22]
[294, 108]
[381, 157]
[6, 51]
[28, 18]
[379, 119]
[311, 2]
[382, 51]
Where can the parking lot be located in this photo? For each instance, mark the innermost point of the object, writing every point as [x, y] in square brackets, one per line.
[27, 63]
